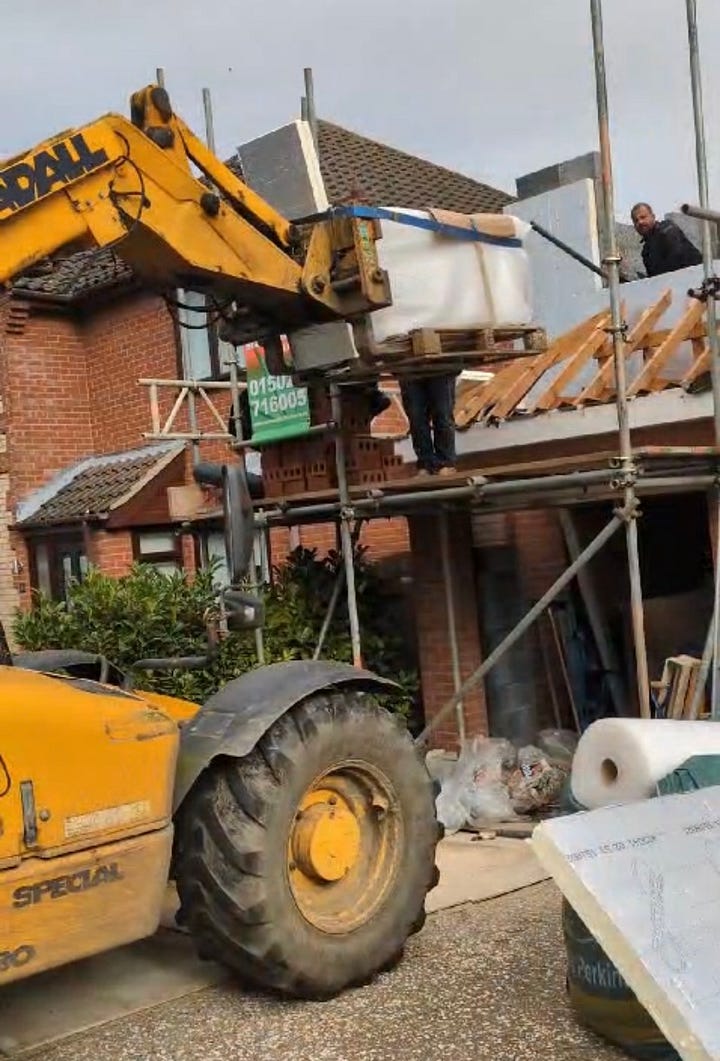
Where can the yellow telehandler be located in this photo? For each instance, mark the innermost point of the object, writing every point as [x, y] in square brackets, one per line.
[293, 813]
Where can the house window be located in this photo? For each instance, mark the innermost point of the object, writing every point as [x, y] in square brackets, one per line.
[195, 336]
[204, 354]
[57, 561]
[162, 549]
[215, 546]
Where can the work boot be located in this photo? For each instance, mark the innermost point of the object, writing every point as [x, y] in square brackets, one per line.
[446, 470]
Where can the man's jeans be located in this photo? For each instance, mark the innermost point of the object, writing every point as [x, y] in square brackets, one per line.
[429, 405]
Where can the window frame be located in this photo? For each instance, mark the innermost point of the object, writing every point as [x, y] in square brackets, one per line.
[58, 542]
[215, 530]
[215, 345]
[174, 556]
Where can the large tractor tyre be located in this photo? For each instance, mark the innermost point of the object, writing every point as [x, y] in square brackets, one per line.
[304, 866]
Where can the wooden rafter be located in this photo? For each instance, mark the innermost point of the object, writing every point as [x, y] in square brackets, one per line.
[649, 378]
[468, 403]
[604, 378]
[564, 346]
[699, 367]
[552, 396]
[474, 403]
[659, 336]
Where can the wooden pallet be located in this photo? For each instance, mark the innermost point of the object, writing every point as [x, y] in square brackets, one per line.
[487, 342]
[675, 692]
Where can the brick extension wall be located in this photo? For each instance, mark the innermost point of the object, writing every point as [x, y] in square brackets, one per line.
[542, 558]
[384, 539]
[431, 618]
[113, 552]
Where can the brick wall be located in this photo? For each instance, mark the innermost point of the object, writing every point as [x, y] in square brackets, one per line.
[385, 539]
[541, 549]
[46, 399]
[123, 342]
[430, 615]
[71, 390]
[70, 384]
[10, 573]
[188, 552]
[113, 552]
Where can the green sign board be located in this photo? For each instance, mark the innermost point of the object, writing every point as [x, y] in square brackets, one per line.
[278, 409]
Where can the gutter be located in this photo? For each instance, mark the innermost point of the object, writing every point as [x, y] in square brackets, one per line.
[54, 525]
[23, 294]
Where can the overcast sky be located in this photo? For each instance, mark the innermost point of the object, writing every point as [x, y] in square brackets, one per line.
[494, 88]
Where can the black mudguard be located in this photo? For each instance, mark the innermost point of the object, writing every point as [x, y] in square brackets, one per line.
[234, 719]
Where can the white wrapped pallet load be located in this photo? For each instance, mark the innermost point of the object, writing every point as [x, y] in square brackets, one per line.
[621, 760]
[444, 280]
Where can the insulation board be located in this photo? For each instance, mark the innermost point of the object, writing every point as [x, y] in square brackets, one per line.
[645, 879]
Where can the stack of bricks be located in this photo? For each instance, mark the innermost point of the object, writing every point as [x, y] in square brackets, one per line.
[307, 465]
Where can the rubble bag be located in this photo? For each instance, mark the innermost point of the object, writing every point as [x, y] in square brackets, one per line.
[603, 1001]
[599, 995]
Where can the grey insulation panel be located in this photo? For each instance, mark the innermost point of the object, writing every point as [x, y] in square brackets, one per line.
[283, 168]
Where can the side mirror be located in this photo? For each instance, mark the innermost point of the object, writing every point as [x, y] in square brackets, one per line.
[238, 515]
[239, 519]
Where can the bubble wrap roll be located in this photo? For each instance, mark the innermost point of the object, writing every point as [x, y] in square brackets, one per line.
[619, 760]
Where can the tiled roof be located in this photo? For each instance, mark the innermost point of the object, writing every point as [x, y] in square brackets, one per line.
[95, 486]
[350, 163]
[72, 278]
[354, 165]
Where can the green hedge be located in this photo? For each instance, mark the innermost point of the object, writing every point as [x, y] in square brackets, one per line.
[149, 614]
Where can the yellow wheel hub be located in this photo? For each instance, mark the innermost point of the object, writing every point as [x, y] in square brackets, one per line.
[344, 847]
[326, 840]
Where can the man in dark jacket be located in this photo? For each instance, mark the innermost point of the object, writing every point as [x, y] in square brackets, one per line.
[665, 245]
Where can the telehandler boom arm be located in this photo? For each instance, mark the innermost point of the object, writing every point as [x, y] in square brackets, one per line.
[130, 185]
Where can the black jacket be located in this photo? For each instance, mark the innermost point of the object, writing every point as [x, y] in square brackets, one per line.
[667, 248]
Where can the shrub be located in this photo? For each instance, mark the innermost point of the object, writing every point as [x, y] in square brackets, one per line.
[149, 614]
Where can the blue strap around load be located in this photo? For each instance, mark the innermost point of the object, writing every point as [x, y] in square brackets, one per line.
[453, 231]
